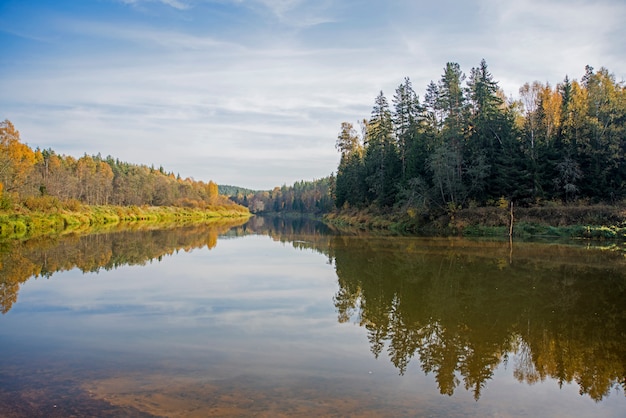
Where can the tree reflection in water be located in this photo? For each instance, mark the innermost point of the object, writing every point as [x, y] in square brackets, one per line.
[460, 308]
[42, 257]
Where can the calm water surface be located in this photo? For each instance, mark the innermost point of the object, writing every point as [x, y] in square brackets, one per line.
[293, 319]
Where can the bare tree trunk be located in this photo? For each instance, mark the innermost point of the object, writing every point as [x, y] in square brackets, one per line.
[511, 224]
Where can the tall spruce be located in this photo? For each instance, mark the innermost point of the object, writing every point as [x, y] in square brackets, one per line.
[381, 156]
[406, 116]
[492, 139]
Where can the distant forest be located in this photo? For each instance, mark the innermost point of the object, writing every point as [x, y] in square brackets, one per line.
[466, 144]
[41, 179]
[311, 197]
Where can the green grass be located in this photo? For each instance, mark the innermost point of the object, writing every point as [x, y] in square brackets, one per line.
[24, 222]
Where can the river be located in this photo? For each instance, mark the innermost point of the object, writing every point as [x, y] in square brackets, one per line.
[293, 318]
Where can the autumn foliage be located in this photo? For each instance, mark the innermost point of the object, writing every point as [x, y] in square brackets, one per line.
[44, 180]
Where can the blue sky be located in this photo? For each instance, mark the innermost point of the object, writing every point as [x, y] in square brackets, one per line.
[253, 92]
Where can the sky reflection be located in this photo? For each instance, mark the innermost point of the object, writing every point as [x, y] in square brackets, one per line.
[254, 318]
[251, 300]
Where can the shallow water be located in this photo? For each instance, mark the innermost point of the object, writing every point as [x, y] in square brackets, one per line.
[292, 319]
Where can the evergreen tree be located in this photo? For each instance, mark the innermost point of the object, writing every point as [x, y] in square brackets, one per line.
[350, 181]
[491, 139]
[432, 109]
[406, 118]
[452, 104]
[382, 163]
[451, 99]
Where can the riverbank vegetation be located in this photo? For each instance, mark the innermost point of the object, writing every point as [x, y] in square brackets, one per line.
[466, 152]
[44, 192]
[600, 222]
[73, 217]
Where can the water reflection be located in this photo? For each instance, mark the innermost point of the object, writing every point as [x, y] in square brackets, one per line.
[456, 309]
[44, 256]
[462, 308]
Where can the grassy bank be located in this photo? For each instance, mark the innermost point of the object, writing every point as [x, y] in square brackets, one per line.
[23, 222]
[590, 222]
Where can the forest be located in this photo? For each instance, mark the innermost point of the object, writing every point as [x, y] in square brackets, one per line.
[310, 197]
[467, 145]
[42, 180]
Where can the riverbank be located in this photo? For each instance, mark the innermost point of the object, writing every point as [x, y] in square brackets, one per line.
[23, 222]
[590, 222]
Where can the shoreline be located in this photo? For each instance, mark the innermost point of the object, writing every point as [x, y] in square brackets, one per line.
[28, 224]
[599, 222]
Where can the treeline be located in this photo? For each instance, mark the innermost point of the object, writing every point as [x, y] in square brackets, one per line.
[228, 190]
[465, 144]
[42, 178]
[312, 197]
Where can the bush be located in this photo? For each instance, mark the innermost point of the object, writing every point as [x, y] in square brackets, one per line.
[73, 205]
[5, 202]
[42, 203]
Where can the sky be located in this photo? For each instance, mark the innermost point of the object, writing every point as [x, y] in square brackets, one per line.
[252, 93]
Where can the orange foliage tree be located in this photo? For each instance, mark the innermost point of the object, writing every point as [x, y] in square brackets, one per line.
[17, 160]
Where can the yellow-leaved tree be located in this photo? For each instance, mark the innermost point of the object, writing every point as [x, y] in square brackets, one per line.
[17, 160]
[213, 192]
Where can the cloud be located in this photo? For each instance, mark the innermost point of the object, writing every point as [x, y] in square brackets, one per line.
[165, 38]
[545, 40]
[176, 4]
[299, 13]
[253, 93]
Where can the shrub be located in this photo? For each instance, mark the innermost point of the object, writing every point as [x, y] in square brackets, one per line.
[73, 205]
[42, 203]
[5, 202]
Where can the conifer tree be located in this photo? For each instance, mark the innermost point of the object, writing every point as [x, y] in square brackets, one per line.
[382, 164]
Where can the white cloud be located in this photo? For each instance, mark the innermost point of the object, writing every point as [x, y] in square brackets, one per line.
[298, 13]
[256, 97]
[177, 4]
[546, 40]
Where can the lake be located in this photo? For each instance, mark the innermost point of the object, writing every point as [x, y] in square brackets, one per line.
[292, 318]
